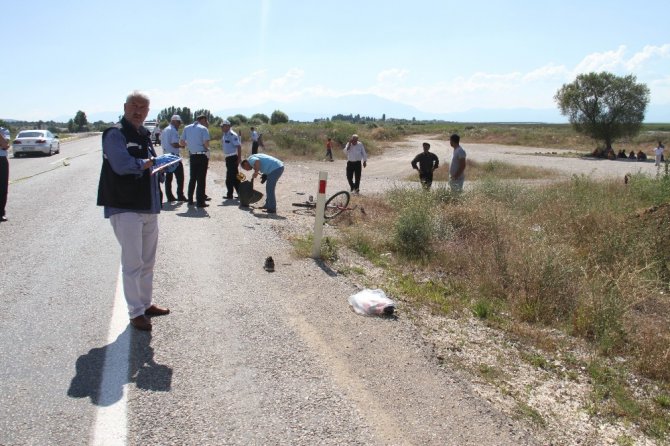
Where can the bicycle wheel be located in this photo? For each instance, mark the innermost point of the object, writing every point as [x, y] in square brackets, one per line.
[336, 204]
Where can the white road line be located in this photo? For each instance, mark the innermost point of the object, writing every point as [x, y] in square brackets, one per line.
[111, 422]
[59, 161]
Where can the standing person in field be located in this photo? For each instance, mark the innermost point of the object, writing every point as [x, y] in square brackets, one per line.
[232, 152]
[131, 199]
[273, 169]
[195, 138]
[658, 152]
[457, 168]
[329, 149]
[4, 171]
[254, 140]
[356, 156]
[170, 144]
[426, 162]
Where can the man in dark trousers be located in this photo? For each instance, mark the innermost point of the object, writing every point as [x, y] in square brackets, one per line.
[195, 138]
[4, 171]
[427, 162]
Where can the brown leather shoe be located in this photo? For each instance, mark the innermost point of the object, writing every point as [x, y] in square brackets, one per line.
[141, 323]
[155, 310]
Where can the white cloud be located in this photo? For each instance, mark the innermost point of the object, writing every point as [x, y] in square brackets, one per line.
[392, 75]
[607, 61]
[291, 79]
[253, 77]
[648, 52]
[547, 72]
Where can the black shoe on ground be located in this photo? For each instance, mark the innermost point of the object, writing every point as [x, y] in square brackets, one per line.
[190, 202]
[270, 211]
[182, 198]
[269, 265]
[228, 197]
[207, 198]
[202, 205]
[171, 198]
[3, 218]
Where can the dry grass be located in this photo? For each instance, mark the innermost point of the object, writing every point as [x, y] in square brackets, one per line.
[579, 257]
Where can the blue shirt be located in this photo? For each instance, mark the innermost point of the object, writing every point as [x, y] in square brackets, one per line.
[195, 135]
[267, 163]
[459, 154]
[122, 163]
[8, 137]
[230, 142]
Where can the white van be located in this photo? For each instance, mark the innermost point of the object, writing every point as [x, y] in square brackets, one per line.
[154, 129]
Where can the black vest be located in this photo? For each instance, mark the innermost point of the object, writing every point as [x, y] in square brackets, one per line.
[127, 191]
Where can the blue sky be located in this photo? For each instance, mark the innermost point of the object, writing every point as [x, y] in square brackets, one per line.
[437, 56]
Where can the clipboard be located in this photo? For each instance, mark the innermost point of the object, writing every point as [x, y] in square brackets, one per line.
[164, 161]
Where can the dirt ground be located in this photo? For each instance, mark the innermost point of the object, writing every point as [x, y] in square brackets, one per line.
[556, 406]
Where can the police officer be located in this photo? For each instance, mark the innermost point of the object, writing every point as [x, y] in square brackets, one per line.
[195, 137]
[232, 151]
[170, 144]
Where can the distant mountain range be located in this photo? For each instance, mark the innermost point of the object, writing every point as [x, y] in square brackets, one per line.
[374, 106]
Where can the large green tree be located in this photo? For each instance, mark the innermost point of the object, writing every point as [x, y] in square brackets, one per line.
[604, 106]
[80, 122]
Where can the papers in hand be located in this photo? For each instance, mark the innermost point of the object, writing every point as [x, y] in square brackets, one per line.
[164, 162]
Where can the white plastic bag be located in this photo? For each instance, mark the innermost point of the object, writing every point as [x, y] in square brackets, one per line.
[371, 302]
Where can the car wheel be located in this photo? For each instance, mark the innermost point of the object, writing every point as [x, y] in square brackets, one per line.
[58, 148]
[51, 152]
[16, 155]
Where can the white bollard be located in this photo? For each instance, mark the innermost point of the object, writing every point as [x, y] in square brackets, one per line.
[320, 219]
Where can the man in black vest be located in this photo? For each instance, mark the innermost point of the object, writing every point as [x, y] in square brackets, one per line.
[131, 198]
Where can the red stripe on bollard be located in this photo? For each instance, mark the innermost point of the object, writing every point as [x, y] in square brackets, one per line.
[322, 186]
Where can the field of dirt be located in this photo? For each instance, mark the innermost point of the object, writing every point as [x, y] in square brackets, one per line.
[556, 407]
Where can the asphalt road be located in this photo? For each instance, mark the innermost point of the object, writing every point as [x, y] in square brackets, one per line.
[246, 357]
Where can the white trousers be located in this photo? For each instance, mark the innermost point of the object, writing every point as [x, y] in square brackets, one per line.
[138, 236]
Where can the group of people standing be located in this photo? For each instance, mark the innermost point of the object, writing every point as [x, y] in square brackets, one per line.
[129, 188]
[426, 162]
[196, 139]
[130, 194]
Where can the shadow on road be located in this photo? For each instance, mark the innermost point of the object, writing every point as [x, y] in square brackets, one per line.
[142, 370]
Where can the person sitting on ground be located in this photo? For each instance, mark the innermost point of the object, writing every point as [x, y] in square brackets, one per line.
[631, 155]
[641, 156]
[621, 154]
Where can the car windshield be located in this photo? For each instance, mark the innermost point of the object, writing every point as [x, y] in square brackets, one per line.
[30, 135]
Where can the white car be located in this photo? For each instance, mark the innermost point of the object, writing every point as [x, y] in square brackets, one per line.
[35, 141]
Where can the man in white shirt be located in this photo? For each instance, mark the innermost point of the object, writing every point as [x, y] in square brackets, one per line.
[195, 137]
[170, 144]
[232, 152]
[658, 151]
[356, 156]
[457, 168]
[254, 141]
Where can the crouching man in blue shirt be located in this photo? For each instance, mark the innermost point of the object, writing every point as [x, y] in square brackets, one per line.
[273, 169]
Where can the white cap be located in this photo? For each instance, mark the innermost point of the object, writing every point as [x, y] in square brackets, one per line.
[175, 118]
[225, 122]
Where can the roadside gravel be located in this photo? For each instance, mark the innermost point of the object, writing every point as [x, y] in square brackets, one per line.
[417, 379]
